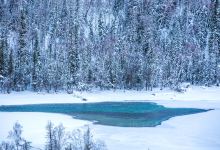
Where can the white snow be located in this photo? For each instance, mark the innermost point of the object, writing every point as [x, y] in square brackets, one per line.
[192, 93]
[191, 132]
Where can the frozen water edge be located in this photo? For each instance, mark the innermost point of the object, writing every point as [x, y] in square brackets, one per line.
[191, 132]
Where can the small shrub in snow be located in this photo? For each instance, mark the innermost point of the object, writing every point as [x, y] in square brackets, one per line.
[59, 139]
[15, 140]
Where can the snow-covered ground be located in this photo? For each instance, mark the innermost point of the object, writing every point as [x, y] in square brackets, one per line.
[192, 93]
[191, 132]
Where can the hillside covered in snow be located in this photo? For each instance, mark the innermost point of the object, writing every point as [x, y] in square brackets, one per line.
[108, 44]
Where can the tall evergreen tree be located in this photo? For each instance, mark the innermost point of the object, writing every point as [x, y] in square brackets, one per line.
[1, 57]
[73, 57]
[37, 68]
[22, 70]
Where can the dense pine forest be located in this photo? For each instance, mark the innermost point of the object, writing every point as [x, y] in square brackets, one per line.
[66, 45]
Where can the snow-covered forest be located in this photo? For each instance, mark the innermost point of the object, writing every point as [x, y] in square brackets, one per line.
[55, 45]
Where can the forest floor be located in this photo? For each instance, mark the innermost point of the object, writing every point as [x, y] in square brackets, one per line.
[191, 132]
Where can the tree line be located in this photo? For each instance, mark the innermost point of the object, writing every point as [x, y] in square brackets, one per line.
[53, 45]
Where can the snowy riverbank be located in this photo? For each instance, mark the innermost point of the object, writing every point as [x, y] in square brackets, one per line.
[193, 93]
[191, 132]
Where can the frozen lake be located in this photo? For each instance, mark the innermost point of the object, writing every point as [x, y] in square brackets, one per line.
[122, 114]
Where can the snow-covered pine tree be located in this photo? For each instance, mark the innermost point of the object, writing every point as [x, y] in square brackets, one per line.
[37, 68]
[1, 57]
[73, 56]
[22, 63]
